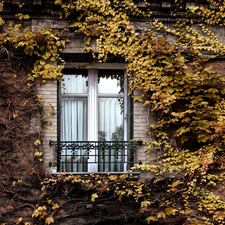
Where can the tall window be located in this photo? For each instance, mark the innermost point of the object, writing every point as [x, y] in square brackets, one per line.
[93, 108]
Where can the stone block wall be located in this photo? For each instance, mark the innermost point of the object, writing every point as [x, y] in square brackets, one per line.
[140, 129]
[49, 93]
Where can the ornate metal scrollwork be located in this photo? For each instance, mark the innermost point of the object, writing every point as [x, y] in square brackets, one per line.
[110, 156]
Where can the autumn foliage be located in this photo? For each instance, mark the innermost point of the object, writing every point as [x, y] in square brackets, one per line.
[173, 76]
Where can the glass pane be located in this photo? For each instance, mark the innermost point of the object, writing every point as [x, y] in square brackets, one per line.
[110, 81]
[110, 119]
[110, 112]
[73, 128]
[76, 83]
[74, 119]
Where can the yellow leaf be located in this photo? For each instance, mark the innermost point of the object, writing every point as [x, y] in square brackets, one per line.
[176, 183]
[20, 181]
[40, 97]
[151, 218]
[26, 16]
[145, 203]
[112, 177]
[1, 21]
[186, 212]
[21, 16]
[19, 220]
[93, 197]
[15, 114]
[49, 220]
[49, 201]
[37, 142]
[52, 129]
[170, 211]
[123, 177]
[58, 2]
[48, 54]
[55, 206]
[38, 154]
[21, 5]
[161, 214]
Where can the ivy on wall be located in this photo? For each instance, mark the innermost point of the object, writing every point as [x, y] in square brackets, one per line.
[175, 79]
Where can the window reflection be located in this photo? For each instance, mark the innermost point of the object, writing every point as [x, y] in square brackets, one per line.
[111, 81]
[110, 118]
[110, 85]
[74, 84]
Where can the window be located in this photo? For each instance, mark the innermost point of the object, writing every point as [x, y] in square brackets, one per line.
[93, 122]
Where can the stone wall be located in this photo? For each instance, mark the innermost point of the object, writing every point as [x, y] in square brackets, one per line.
[49, 93]
[140, 129]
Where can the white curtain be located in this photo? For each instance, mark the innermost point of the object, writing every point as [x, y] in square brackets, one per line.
[73, 122]
[110, 125]
[110, 118]
[74, 119]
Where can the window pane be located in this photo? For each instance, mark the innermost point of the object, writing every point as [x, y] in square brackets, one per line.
[110, 119]
[74, 119]
[110, 81]
[97, 100]
[110, 129]
[73, 128]
[76, 83]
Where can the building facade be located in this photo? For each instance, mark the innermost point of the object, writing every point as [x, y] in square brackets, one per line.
[93, 124]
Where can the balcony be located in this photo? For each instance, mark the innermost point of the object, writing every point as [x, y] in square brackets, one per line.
[93, 156]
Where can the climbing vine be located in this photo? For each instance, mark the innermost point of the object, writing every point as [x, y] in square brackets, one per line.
[172, 75]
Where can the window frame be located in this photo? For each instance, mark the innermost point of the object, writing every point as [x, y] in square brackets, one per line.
[92, 95]
[92, 127]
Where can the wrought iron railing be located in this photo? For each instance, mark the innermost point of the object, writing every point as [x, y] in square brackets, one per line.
[93, 156]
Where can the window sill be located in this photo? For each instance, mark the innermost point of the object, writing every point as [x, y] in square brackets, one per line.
[131, 175]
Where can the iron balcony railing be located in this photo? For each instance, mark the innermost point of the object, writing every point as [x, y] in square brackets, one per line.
[94, 156]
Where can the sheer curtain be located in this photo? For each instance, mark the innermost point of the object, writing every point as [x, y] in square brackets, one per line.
[110, 123]
[73, 121]
[110, 119]
[110, 129]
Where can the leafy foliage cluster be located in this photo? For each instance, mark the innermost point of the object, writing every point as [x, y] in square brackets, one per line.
[19, 108]
[178, 83]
